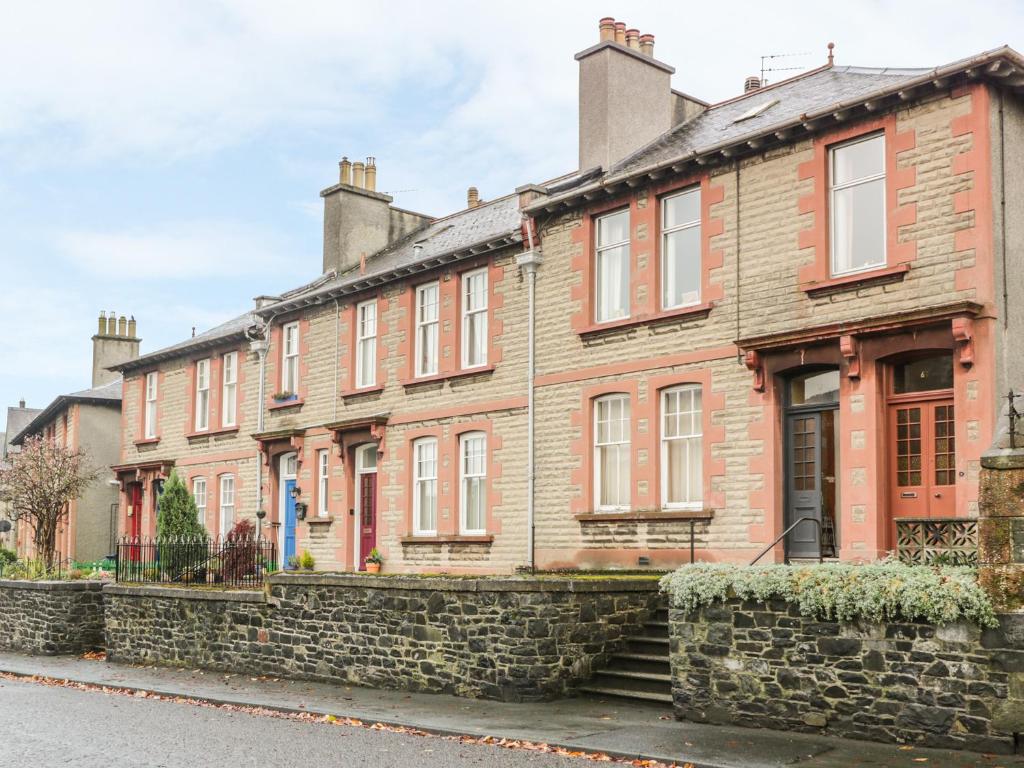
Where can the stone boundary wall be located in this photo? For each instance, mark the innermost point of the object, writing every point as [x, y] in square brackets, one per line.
[509, 639]
[766, 666]
[51, 617]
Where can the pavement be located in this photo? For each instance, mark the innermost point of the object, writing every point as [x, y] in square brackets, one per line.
[592, 725]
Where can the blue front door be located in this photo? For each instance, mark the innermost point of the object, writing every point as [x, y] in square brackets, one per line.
[289, 522]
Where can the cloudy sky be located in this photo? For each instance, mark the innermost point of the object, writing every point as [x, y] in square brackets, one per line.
[164, 159]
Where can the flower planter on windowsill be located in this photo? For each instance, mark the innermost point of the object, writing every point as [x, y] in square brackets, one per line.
[290, 401]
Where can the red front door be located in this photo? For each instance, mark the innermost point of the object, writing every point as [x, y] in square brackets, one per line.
[135, 520]
[922, 465]
[367, 515]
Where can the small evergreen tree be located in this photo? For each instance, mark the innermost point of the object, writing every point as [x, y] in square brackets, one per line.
[182, 538]
[179, 515]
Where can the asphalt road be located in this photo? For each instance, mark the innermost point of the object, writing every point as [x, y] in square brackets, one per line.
[52, 726]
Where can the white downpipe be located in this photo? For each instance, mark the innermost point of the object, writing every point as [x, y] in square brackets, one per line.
[259, 342]
[528, 262]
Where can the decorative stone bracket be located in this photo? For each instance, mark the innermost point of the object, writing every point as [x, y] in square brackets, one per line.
[963, 332]
[849, 347]
[754, 363]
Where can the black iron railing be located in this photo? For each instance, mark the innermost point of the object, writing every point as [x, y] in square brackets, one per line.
[234, 561]
[937, 540]
[785, 533]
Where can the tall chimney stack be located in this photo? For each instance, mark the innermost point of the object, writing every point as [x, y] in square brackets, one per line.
[360, 220]
[115, 343]
[626, 98]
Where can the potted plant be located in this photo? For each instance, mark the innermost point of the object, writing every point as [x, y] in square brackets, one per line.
[306, 561]
[285, 396]
[294, 562]
[374, 561]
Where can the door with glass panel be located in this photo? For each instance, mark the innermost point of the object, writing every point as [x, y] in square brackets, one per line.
[366, 501]
[922, 439]
[812, 401]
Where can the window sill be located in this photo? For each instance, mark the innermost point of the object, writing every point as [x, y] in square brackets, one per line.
[696, 312]
[147, 441]
[647, 515]
[854, 282]
[448, 539]
[275, 406]
[211, 432]
[350, 393]
[326, 521]
[483, 370]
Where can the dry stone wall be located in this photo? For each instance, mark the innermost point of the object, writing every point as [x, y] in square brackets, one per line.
[51, 617]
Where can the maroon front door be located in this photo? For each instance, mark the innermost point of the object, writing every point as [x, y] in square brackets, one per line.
[367, 515]
[135, 521]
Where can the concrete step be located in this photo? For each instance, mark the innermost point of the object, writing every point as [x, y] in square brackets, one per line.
[619, 693]
[641, 662]
[656, 628]
[628, 680]
[648, 645]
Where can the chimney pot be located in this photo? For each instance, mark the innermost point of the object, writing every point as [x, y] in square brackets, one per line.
[345, 168]
[21, 403]
[620, 32]
[112, 323]
[472, 197]
[647, 45]
[606, 28]
[358, 175]
[633, 39]
[102, 323]
[371, 174]
[122, 326]
[132, 327]
[752, 83]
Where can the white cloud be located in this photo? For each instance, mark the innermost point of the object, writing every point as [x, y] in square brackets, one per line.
[187, 250]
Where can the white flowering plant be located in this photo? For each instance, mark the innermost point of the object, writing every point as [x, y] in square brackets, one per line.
[876, 592]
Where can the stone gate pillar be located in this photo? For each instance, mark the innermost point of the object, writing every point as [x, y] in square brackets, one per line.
[1001, 510]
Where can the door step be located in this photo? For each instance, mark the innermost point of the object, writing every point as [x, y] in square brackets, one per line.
[642, 669]
[598, 690]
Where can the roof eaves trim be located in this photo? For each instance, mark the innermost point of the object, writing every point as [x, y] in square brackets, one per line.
[180, 351]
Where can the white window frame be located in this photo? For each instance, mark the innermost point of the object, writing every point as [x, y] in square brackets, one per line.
[472, 313]
[226, 503]
[290, 358]
[418, 478]
[152, 392]
[466, 476]
[694, 443]
[598, 446]
[427, 329]
[229, 390]
[600, 315]
[834, 188]
[202, 395]
[366, 339]
[666, 232]
[323, 464]
[199, 494]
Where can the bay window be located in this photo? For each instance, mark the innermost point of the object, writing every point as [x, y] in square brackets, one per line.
[680, 250]
[857, 205]
[611, 289]
[612, 453]
[424, 511]
[682, 481]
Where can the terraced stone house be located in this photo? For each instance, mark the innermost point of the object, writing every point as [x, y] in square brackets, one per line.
[799, 306]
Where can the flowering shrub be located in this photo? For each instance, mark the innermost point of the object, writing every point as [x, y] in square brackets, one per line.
[885, 591]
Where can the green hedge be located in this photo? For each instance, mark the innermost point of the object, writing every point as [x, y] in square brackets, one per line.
[887, 591]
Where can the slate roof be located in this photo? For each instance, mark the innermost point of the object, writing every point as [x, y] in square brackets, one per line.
[490, 225]
[106, 394]
[801, 95]
[233, 329]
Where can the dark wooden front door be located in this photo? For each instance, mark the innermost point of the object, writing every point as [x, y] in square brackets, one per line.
[804, 492]
[367, 515]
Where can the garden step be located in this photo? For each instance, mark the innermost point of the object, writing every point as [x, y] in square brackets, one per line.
[651, 646]
[641, 662]
[620, 693]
